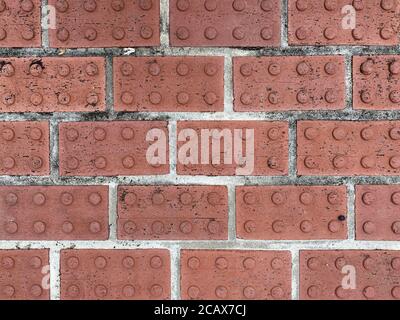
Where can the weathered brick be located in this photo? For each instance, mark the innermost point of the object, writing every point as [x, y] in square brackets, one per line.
[52, 84]
[291, 212]
[169, 84]
[29, 212]
[173, 212]
[115, 274]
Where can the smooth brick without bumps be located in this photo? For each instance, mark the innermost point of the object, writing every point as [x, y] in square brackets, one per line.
[20, 23]
[225, 23]
[377, 274]
[24, 148]
[109, 148]
[348, 148]
[54, 212]
[376, 82]
[270, 147]
[291, 212]
[22, 273]
[115, 274]
[173, 212]
[326, 22]
[235, 275]
[169, 84]
[105, 23]
[377, 212]
[52, 84]
[289, 83]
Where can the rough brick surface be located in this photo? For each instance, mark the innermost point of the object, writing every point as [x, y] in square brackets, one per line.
[24, 148]
[322, 275]
[229, 23]
[291, 212]
[330, 22]
[20, 23]
[22, 275]
[109, 148]
[288, 83]
[269, 147]
[235, 275]
[115, 275]
[377, 210]
[348, 148]
[376, 82]
[54, 213]
[169, 84]
[52, 84]
[105, 23]
[173, 212]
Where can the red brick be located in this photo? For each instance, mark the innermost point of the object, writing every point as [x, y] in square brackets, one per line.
[173, 212]
[24, 275]
[115, 274]
[348, 148]
[323, 273]
[270, 147]
[289, 83]
[377, 210]
[376, 82]
[235, 275]
[225, 23]
[108, 148]
[105, 23]
[316, 22]
[20, 23]
[178, 84]
[29, 213]
[24, 148]
[52, 84]
[291, 212]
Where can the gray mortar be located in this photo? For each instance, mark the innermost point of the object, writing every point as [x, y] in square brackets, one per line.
[175, 246]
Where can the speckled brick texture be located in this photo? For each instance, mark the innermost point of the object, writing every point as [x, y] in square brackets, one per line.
[199, 149]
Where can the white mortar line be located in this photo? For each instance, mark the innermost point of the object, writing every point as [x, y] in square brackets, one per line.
[113, 215]
[228, 84]
[295, 274]
[164, 23]
[351, 223]
[231, 212]
[54, 260]
[175, 272]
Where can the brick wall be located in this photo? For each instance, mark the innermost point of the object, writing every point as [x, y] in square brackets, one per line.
[308, 91]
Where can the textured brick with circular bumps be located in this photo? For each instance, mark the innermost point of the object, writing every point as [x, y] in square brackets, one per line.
[115, 275]
[289, 83]
[377, 212]
[269, 148]
[52, 84]
[54, 212]
[24, 275]
[173, 212]
[348, 148]
[20, 23]
[225, 23]
[330, 22]
[291, 212]
[112, 148]
[376, 82]
[326, 275]
[24, 148]
[105, 23]
[171, 84]
[235, 275]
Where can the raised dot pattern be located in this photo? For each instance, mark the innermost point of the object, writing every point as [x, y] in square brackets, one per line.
[348, 148]
[321, 274]
[181, 84]
[291, 212]
[260, 84]
[105, 23]
[53, 84]
[172, 213]
[209, 274]
[112, 274]
[81, 213]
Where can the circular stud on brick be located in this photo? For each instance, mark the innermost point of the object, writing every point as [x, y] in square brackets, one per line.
[367, 133]
[118, 33]
[278, 226]
[313, 263]
[186, 227]
[210, 33]
[358, 5]
[277, 292]
[146, 4]
[63, 70]
[35, 262]
[72, 135]
[273, 163]
[395, 263]
[331, 96]
[3, 34]
[91, 69]
[311, 133]
[239, 5]
[127, 98]
[369, 292]
[182, 69]
[246, 99]
[274, 133]
[394, 96]
[302, 97]
[221, 292]
[368, 162]
[367, 67]
[99, 134]
[302, 5]
[8, 291]
[94, 227]
[395, 198]
[158, 198]
[100, 162]
[100, 262]
[210, 69]
[341, 293]
[157, 227]
[64, 98]
[278, 198]
[7, 263]
[267, 33]
[118, 5]
[126, 69]
[73, 291]
[274, 98]
[330, 68]
[62, 34]
[358, 33]
[36, 163]
[193, 292]
[311, 162]
[39, 227]
[8, 99]
[249, 263]
[128, 291]
[302, 33]
[73, 262]
[62, 6]
[146, 32]
[154, 69]
[213, 227]
[8, 162]
[340, 263]
[28, 33]
[394, 162]
[128, 262]
[366, 96]
[249, 226]
[156, 262]
[11, 199]
[339, 133]
[130, 198]
[72, 163]
[182, 5]
[186, 198]
[303, 68]
[387, 4]
[27, 5]
[8, 70]
[101, 291]
[306, 226]
[90, 34]
[8, 134]
[39, 199]
[387, 33]
[396, 227]
[182, 33]
[266, 5]
[221, 263]
[183, 98]
[330, 33]
[274, 69]
[213, 198]
[3, 6]
[92, 99]
[94, 199]
[210, 98]
[66, 198]
[396, 292]
[127, 133]
[249, 198]
[239, 33]
[277, 264]
[306, 198]
[156, 290]
[67, 227]
[130, 227]
[36, 291]
[368, 198]
[249, 292]
[394, 67]
[35, 69]
[313, 291]
[334, 226]
[210, 5]
[193, 263]
[330, 5]
[90, 5]
[369, 227]
[339, 162]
